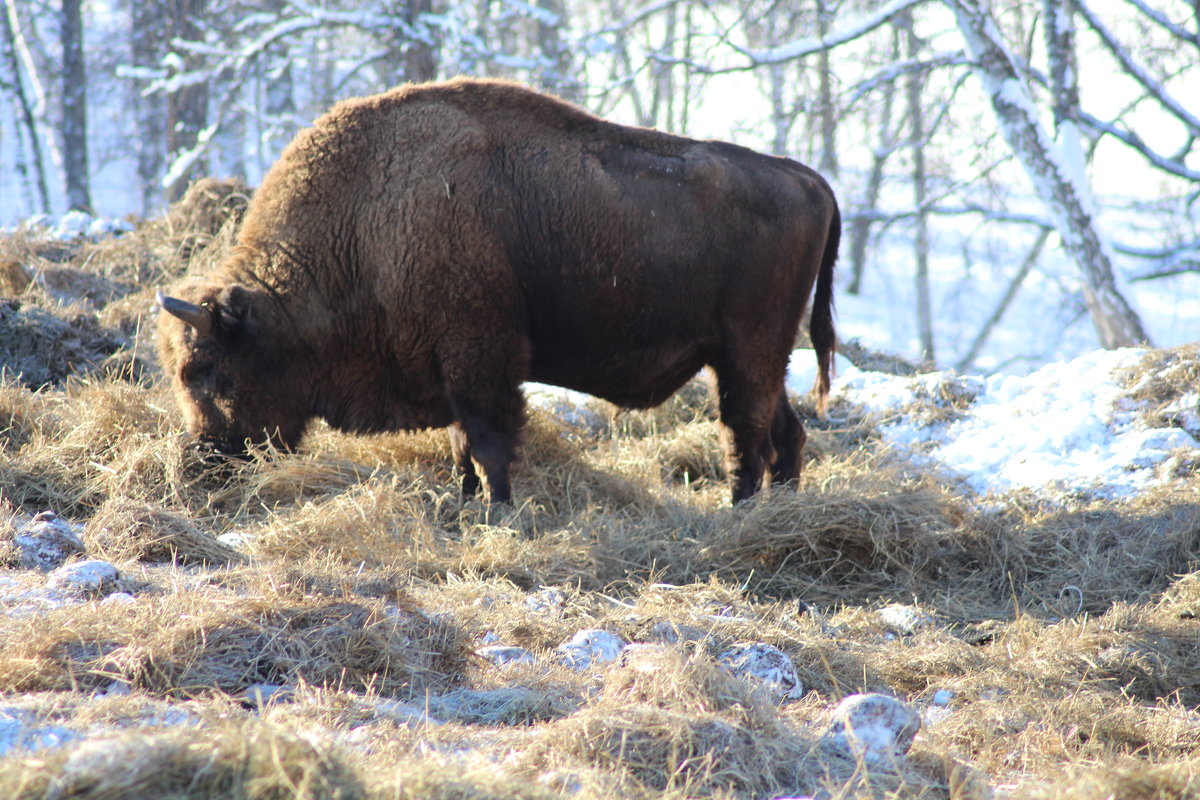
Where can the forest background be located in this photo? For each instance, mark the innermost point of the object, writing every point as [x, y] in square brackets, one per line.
[1019, 180]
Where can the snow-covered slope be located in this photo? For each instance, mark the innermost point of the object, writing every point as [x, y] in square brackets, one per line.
[1068, 428]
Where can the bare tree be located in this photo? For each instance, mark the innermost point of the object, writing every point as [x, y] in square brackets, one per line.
[917, 133]
[1063, 189]
[187, 101]
[25, 110]
[886, 145]
[147, 37]
[74, 98]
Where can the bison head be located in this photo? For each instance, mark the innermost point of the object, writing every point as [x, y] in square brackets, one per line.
[234, 379]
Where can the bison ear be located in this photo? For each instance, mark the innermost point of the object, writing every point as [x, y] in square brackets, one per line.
[233, 308]
[198, 317]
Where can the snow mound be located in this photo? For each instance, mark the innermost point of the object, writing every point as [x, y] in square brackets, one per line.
[72, 226]
[1068, 428]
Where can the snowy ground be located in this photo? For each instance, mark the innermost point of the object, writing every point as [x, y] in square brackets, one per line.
[1068, 428]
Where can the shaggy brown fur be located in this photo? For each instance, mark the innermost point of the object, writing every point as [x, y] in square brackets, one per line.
[416, 255]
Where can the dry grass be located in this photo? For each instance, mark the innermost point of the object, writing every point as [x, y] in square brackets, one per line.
[1068, 635]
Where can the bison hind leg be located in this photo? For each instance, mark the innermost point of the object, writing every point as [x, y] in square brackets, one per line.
[786, 443]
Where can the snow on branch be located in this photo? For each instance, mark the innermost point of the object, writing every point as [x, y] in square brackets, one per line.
[640, 14]
[184, 160]
[1135, 70]
[1178, 31]
[898, 69]
[1171, 165]
[815, 44]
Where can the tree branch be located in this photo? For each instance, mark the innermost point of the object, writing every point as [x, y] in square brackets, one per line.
[1137, 143]
[1153, 87]
[811, 45]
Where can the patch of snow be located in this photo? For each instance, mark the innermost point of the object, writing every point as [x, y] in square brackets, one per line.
[237, 539]
[905, 620]
[92, 577]
[260, 695]
[569, 406]
[73, 225]
[36, 601]
[405, 714]
[545, 600]
[590, 646]
[802, 370]
[18, 731]
[503, 655]
[643, 657]
[1068, 427]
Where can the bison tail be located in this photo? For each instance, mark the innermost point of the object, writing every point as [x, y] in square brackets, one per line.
[820, 326]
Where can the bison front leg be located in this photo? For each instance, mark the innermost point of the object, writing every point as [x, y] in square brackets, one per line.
[486, 440]
[460, 446]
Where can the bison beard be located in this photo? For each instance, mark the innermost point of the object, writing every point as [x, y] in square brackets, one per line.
[416, 255]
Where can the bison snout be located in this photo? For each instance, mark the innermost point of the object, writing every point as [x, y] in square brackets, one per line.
[214, 451]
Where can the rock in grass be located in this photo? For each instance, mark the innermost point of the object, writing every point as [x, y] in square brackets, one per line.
[590, 646]
[905, 620]
[260, 695]
[547, 600]
[92, 578]
[502, 655]
[766, 664]
[46, 542]
[877, 728]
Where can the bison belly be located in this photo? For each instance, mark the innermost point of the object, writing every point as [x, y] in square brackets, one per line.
[629, 378]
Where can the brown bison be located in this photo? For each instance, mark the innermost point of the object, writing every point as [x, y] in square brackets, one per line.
[415, 256]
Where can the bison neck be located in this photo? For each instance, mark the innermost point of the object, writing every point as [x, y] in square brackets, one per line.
[363, 395]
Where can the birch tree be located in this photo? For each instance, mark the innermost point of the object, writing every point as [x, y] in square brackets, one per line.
[35, 168]
[1054, 168]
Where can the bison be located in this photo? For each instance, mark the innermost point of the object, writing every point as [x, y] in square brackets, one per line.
[416, 255]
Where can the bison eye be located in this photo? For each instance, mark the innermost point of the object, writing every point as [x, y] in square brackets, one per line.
[192, 374]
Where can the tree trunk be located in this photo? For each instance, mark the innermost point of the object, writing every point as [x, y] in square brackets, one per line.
[8, 50]
[74, 107]
[828, 162]
[860, 228]
[420, 60]
[1064, 190]
[147, 36]
[916, 117]
[187, 106]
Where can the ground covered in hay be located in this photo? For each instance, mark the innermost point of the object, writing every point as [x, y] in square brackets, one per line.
[337, 624]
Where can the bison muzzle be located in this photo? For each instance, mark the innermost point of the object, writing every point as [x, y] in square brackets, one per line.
[415, 256]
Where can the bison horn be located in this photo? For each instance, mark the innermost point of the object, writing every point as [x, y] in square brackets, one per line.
[199, 318]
